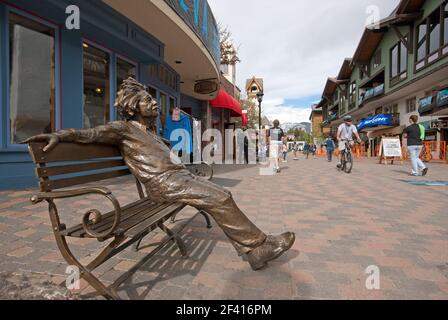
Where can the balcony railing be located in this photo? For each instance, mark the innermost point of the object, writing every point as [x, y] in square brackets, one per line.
[434, 103]
[333, 117]
[371, 93]
[426, 104]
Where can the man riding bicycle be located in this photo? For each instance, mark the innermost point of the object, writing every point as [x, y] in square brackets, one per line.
[346, 131]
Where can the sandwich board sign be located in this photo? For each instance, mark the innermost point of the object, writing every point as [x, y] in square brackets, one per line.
[390, 149]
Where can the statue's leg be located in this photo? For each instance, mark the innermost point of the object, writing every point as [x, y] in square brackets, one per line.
[182, 186]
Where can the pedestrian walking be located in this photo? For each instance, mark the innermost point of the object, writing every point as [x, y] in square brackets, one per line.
[296, 151]
[330, 146]
[313, 150]
[415, 135]
[276, 136]
[285, 153]
[307, 148]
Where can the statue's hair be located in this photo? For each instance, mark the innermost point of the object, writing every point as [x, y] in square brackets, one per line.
[130, 94]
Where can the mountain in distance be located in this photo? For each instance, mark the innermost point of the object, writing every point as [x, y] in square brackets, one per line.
[305, 126]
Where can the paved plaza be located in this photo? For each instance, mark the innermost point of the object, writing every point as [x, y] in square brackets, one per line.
[343, 223]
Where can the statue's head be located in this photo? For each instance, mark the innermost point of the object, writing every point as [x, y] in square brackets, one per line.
[133, 99]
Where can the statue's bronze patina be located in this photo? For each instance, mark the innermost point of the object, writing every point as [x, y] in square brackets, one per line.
[149, 159]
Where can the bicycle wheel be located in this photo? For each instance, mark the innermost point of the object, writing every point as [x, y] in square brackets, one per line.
[348, 162]
[343, 162]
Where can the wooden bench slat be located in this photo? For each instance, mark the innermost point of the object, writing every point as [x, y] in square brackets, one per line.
[106, 217]
[130, 223]
[159, 217]
[45, 172]
[72, 152]
[130, 218]
[69, 182]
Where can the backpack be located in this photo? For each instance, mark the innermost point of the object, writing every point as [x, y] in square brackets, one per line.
[422, 132]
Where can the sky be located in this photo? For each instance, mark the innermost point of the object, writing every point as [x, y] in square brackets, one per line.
[295, 45]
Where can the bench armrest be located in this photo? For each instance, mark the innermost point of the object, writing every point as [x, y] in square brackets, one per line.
[87, 222]
[39, 197]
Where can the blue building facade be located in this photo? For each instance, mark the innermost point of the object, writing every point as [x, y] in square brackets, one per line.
[55, 76]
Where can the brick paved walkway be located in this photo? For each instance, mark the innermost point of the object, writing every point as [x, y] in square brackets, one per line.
[344, 223]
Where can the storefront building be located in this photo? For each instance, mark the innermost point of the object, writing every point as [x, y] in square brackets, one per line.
[399, 67]
[54, 75]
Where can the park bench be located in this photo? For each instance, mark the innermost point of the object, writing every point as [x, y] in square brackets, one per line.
[70, 164]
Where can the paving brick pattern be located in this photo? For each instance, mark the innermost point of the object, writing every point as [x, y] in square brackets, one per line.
[344, 223]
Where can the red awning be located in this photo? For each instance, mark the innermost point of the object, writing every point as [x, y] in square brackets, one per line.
[226, 101]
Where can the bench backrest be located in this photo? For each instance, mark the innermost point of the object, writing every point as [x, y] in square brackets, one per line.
[70, 164]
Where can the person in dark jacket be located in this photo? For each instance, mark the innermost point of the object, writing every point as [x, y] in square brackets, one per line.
[415, 146]
[307, 149]
[330, 146]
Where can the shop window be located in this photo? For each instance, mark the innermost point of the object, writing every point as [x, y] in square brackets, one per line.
[96, 87]
[152, 92]
[163, 109]
[124, 70]
[411, 105]
[164, 75]
[172, 104]
[32, 78]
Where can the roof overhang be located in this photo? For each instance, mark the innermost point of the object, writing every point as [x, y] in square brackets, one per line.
[406, 12]
[346, 70]
[182, 44]
[370, 41]
[330, 87]
[409, 6]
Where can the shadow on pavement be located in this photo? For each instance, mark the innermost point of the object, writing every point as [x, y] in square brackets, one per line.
[227, 183]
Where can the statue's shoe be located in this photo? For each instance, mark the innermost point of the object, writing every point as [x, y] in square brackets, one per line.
[271, 249]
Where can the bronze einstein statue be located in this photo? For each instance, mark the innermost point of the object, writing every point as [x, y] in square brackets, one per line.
[150, 161]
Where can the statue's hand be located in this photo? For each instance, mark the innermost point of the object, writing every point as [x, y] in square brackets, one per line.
[51, 139]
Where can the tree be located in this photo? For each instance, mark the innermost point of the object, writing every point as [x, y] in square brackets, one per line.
[229, 54]
[300, 135]
[252, 113]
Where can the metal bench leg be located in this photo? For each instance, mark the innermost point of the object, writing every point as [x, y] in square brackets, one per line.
[71, 259]
[136, 246]
[179, 242]
[207, 219]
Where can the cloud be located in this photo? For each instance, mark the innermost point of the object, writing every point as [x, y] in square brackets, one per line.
[295, 45]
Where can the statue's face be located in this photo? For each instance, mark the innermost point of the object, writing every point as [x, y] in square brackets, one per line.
[148, 108]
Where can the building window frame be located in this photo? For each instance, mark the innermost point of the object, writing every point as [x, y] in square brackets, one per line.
[352, 95]
[115, 88]
[6, 134]
[442, 51]
[401, 71]
[411, 105]
[376, 60]
[112, 76]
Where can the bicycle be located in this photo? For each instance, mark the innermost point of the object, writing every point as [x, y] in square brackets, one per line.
[347, 157]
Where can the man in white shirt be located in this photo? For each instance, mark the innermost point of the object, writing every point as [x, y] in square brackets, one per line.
[346, 131]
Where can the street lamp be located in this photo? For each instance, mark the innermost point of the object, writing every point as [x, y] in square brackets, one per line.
[260, 96]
